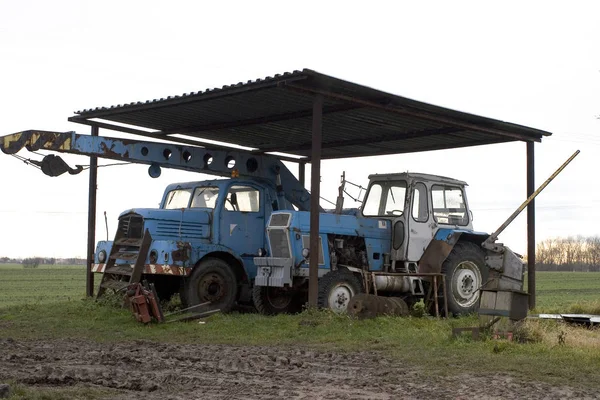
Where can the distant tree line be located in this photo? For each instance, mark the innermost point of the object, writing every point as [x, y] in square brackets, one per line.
[569, 254]
[33, 262]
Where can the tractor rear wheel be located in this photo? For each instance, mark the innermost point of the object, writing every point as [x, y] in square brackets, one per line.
[275, 300]
[212, 281]
[336, 289]
[465, 272]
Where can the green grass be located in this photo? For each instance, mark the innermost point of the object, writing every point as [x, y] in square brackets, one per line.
[556, 291]
[563, 292]
[46, 303]
[41, 285]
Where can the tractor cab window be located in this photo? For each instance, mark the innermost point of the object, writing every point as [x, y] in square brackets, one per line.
[178, 198]
[449, 205]
[242, 199]
[205, 197]
[385, 199]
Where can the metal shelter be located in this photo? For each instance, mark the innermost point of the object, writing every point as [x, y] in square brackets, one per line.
[305, 116]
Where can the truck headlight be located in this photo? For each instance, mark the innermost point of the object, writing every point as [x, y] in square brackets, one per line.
[153, 256]
[102, 256]
[305, 253]
[262, 252]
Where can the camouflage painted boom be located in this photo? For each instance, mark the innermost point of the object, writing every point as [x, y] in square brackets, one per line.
[189, 158]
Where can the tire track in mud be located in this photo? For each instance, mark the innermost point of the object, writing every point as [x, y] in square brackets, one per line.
[146, 370]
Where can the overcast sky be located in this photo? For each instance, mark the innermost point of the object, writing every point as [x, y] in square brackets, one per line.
[531, 63]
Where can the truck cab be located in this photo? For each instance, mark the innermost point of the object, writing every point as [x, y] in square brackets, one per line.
[206, 232]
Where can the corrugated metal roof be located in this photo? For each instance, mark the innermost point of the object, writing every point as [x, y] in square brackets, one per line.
[275, 115]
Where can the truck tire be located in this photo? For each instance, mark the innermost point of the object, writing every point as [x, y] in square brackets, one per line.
[465, 272]
[212, 281]
[274, 300]
[336, 289]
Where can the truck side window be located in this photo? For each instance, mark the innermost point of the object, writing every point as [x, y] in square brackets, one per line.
[243, 199]
[420, 213]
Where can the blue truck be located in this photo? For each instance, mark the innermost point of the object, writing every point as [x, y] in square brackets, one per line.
[202, 240]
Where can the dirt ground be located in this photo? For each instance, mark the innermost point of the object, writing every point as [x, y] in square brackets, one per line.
[145, 370]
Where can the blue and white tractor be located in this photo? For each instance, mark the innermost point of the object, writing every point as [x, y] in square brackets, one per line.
[408, 224]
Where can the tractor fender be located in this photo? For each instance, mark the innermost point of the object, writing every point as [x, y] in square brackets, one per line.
[442, 244]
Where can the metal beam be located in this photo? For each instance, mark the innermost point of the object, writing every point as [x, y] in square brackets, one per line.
[93, 183]
[315, 188]
[153, 135]
[531, 226]
[370, 140]
[390, 151]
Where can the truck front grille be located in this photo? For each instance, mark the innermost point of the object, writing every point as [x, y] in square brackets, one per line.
[280, 243]
[132, 226]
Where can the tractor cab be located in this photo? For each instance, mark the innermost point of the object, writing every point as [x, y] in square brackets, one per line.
[417, 205]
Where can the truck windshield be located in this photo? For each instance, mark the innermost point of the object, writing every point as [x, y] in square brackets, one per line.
[385, 199]
[178, 198]
[205, 197]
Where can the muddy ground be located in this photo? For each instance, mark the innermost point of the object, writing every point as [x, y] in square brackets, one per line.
[145, 370]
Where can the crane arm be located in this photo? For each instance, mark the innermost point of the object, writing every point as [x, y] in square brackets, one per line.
[219, 162]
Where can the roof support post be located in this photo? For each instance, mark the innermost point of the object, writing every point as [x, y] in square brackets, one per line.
[302, 173]
[315, 186]
[531, 226]
[89, 276]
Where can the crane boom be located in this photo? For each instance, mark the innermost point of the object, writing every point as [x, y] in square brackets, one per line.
[203, 160]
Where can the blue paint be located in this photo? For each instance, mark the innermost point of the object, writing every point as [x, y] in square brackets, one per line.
[445, 234]
[208, 231]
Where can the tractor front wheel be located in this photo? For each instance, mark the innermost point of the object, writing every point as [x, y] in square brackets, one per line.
[465, 272]
[336, 289]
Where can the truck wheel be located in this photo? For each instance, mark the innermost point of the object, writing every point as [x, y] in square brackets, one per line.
[336, 289]
[212, 281]
[465, 271]
[275, 300]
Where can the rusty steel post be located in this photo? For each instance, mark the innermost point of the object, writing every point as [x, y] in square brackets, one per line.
[302, 173]
[531, 226]
[89, 286]
[315, 186]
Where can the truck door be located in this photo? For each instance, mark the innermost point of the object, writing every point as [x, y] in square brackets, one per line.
[420, 229]
[242, 226]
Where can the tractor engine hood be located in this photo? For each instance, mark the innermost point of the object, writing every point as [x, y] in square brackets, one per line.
[179, 224]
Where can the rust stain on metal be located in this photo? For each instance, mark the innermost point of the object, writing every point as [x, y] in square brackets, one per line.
[434, 256]
[107, 151]
[183, 251]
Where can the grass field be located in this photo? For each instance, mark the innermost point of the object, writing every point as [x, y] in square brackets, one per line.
[575, 292]
[44, 284]
[47, 303]
[556, 291]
